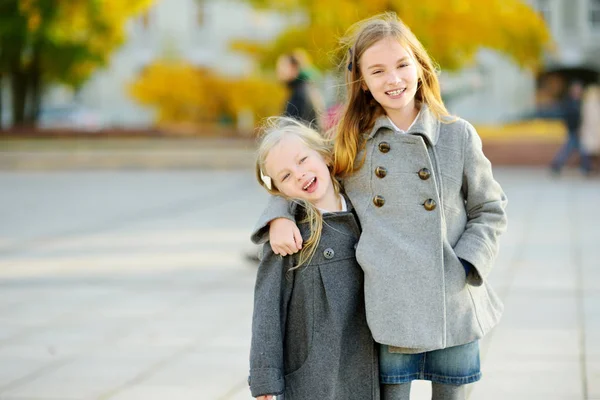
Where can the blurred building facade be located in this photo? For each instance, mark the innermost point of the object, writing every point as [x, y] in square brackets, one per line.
[200, 31]
[496, 89]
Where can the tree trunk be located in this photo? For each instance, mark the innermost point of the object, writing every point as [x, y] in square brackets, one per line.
[35, 98]
[1, 98]
[18, 82]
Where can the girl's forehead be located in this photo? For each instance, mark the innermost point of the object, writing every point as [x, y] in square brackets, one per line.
[285, 151]
[291, 142]
[387, 47]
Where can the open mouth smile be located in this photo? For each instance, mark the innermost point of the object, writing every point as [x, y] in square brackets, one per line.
[395, 92]
[309, 183]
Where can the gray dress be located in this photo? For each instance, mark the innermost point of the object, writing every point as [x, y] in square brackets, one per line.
[310, 338]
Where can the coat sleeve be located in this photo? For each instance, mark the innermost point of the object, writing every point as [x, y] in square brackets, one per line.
[278, 207]
[485, 206]
[271, 297]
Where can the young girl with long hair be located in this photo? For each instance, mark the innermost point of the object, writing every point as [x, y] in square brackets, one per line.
[310, 338]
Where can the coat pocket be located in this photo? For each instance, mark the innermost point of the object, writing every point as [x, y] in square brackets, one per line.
[488, 306]
[300, 323]
[301, 383]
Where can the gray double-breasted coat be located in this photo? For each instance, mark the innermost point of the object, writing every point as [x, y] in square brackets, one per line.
[425, 200]
[310, 338]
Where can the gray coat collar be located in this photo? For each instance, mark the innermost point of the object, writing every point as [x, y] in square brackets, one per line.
[426, 125]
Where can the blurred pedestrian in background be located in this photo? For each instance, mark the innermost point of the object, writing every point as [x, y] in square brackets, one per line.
[590, 123]
[314, 80]
[299, 104]
[570, 112]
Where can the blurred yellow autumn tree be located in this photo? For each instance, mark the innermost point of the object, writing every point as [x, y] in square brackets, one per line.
[183, 93]
[451, 30]
[45, 41]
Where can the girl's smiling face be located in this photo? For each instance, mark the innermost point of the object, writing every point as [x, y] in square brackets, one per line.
[390, 73]
[300, 172]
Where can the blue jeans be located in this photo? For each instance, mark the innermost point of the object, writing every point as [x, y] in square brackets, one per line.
[572, 144]
[458, 365]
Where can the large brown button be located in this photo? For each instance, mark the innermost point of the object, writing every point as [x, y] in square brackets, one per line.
[424, 173]
[384, 147]
[381, 172]
[429, 204]
[379, 201]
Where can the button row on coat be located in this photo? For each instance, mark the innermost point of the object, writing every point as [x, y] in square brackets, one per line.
[429, 204]
[381, 172]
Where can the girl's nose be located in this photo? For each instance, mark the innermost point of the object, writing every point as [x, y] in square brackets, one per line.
[393, 78]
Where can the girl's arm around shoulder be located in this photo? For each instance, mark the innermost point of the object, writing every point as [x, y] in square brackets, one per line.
[277, 207]
[278, 225]
[485, 207]
[271, 297]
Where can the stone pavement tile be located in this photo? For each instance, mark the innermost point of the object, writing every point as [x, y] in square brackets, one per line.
[420, 390]
[36, 313]
[591, 309]
[164, 392]
[506, 343]
[66, 389]
[591, 278]
[123, 264]
[90, 375]
[30, 351]
[14, 368]
[553, 255]
[593, 378]
[542, 275]
[540, 310]
[592, 343]
[531, 384]
[530, 364]
[216, 369]
[67, 337]
[9, 329]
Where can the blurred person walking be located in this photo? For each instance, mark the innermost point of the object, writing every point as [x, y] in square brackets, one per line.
[299, 104]
[313, 77]
[590, 123]
[570, 112]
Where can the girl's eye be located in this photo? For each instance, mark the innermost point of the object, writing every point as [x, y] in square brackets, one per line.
[285, 177]
[376, 72]
[303, 159]
[402, 65]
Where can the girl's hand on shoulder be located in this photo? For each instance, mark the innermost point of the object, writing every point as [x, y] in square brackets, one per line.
[266, 397]
[284, 236]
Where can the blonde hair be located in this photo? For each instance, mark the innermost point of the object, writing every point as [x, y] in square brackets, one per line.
[273, 131]
[362, 109]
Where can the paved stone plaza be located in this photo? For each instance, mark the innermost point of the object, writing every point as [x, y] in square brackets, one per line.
[133, 286]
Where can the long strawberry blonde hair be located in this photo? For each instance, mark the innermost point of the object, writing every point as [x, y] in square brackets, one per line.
[361, 109]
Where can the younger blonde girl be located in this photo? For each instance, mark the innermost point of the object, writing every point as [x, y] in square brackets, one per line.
[310, 338]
